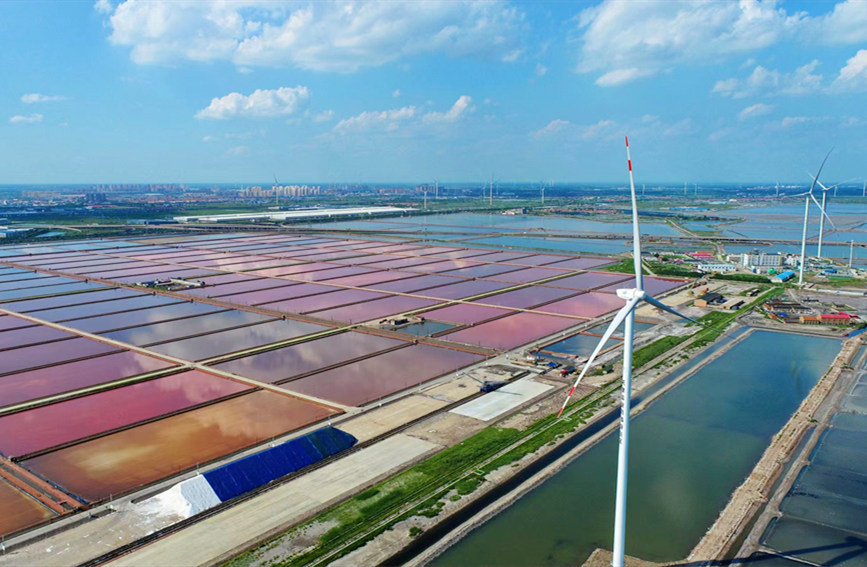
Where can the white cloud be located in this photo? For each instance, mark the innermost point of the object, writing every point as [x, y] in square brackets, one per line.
[853, 75]
[237, 151]
[388, 120]
[512, 56]
[395, 93]
[324, 116]
[30, 119]
[758, 109]
[790, 121]
[622, 76]
[103, 6]
[321, 36]
[563, 129]
[33, 98]
[721, 133]
[553, 127]
[209, 138]
[802, 80]
[846, 24]
[627, 40]
[648, 126]
[541, 70]
[260, 104]
[458, 109]
[407, 117]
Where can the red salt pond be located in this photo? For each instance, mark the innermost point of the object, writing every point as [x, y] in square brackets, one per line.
[26, 306]
[527, 275]
[34, 384]
[8, 322]
[589, 280]
[37, 429]
[465, 313]
[128, 459]
[414, 284]
[526, 297]
[234, 340]
[168, 330]
[19, 510]
[512, 331]
[326, 300]
[374, 309]
[463, 289]
[583, 263]
[589, 305]
[379, 376]
[286, 362]
[30, 335]
[652, 285]
[40, 355]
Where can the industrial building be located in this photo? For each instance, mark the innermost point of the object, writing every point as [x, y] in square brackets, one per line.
[761, 261]
[720, 267]
[783, 277]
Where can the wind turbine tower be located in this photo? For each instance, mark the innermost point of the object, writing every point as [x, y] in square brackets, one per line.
[807, 197]
[626, 315]
[436, 189]
[276, 192]
[491, 193]
[851, 250]
[684, 188]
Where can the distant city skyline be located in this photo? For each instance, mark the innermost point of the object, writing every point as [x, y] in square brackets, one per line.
[329, 92]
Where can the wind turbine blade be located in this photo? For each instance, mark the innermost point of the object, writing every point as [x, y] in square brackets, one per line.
[618, 319]
[656, 303]
[818, 173]
[636, 235]
[823, 211]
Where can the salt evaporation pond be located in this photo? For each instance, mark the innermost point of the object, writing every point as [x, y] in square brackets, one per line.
[689, 451]
[824, 517]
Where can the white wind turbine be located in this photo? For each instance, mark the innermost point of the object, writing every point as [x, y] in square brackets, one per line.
[807, 197]
[626, 315]
[824, 214]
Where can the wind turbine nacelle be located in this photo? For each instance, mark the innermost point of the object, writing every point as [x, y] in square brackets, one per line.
[627, 294]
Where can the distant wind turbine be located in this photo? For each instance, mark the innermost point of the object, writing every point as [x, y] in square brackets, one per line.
[626, 315]
[824, 213]
[807, 197]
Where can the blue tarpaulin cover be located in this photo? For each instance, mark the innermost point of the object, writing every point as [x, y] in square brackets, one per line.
[253, 471]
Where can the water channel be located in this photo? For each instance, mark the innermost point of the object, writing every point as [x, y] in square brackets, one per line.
[689, 451]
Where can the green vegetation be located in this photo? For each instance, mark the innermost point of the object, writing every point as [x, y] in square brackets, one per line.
[647, 353]
[674, 270]
[845, 282]
[742, 278]
[415, 531]
[625, 266]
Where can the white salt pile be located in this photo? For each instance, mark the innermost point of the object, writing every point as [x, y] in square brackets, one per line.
[183, 500]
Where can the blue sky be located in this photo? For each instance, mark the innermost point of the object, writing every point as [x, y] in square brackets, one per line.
[325, 91]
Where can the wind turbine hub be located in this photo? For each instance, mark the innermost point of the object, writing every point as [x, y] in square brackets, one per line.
[632, 293]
